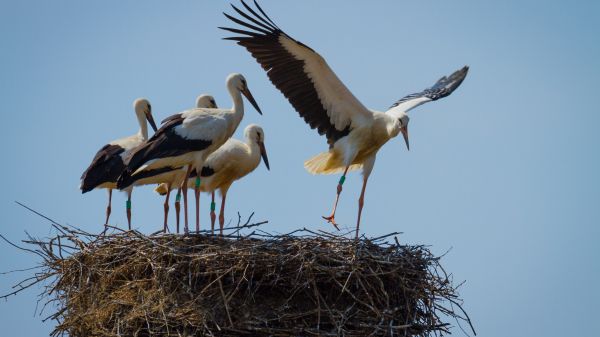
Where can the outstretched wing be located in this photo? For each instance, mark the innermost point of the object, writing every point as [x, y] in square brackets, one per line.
[300, 73]
[442, 88]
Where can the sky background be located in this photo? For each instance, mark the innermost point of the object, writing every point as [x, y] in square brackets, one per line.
[504, 172]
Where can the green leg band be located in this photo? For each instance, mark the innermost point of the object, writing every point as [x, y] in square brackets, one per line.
[128, 204]
[342, 179]
[178, 197]
[212, 206]
[197, 182]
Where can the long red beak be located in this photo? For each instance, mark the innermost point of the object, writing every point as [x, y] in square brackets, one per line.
[263, 154]
[248, 95]
[404, 131]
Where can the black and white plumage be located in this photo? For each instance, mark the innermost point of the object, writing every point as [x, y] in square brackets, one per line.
[170, 176]
[442, 88]
[187, 138]
[109, 162]
[354, 133]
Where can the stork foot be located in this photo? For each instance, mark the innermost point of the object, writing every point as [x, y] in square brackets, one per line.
[331, 220]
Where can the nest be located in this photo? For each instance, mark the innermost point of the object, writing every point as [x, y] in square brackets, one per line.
[299, 284]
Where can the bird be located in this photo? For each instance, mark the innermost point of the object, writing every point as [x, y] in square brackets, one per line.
[167, 175]
[354, 133]
[109, 162]
[187, 138]
[232, 161]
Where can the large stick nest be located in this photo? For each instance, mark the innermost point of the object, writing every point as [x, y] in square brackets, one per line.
[298, 284]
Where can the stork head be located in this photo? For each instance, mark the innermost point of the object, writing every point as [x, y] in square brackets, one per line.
[238, 82]
[206, 101]
[143, 109]
[255, 134]
[403, 120]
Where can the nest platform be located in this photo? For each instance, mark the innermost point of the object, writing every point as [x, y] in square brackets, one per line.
[302, 283]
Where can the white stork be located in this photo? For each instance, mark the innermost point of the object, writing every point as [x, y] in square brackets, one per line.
[354, 133]
[232, 161]
[167, 175]
[109, 162]
[187, 138]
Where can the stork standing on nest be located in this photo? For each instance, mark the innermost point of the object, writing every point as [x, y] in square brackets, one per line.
[354, 133]
[167, 175]
[187, 138]
[232, 161]
[109, 162]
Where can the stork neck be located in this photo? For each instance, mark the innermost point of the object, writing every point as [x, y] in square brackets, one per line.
[238, 102]
[143, 126]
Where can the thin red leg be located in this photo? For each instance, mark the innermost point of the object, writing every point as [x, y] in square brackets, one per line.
[177, 207]
[222, 214]
[166, 227]
[108, 209]
[331, 218]
[213, 216]
[361, 202]
[197, 195]
[185, 199]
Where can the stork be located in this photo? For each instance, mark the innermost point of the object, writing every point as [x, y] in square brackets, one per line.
[354, 133]
[109, 161]
[168, 175]
[187, 138]
[232, 161]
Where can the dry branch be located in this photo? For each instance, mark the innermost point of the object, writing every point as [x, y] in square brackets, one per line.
[258, 284]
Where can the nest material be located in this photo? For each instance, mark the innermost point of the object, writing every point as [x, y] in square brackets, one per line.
[298, 284]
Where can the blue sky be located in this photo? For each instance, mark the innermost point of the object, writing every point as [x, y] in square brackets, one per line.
[504, 172]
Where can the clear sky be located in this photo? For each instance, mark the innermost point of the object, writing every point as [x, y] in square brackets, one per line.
[504, 172]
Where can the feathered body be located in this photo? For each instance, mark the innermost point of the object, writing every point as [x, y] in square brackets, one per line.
[354, 133]
[109, 161]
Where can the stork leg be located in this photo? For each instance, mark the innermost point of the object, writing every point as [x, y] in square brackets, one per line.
[331, 218]
[108, 207]
[213, 216]
[128, 208]
[222, 213]
[197, 195]
[361, 202]
[166, 227]
[185, 199]
[177, 207]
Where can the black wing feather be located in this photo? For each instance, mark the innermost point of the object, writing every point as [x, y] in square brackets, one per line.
[106, 167]
[442, 88]
[164, 143]
[284, 70]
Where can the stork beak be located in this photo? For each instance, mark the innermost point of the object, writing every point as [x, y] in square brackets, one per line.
[151, 120]
[404, 131]
[263, 154]
[248, 95]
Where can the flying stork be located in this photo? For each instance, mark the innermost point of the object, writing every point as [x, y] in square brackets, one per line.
[354, 133]
[232, 161]
[187, 138]
[110, 160]
[167, 175]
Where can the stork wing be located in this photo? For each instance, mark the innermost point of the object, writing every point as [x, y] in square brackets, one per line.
[174, 138]
[301, 74]
[442, 88]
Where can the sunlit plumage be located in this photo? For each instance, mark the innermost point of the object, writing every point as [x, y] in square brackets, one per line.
[187, 138]
[354, 133]
[110, 160]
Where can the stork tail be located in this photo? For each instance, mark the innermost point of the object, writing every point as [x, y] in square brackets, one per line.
[326, 163]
